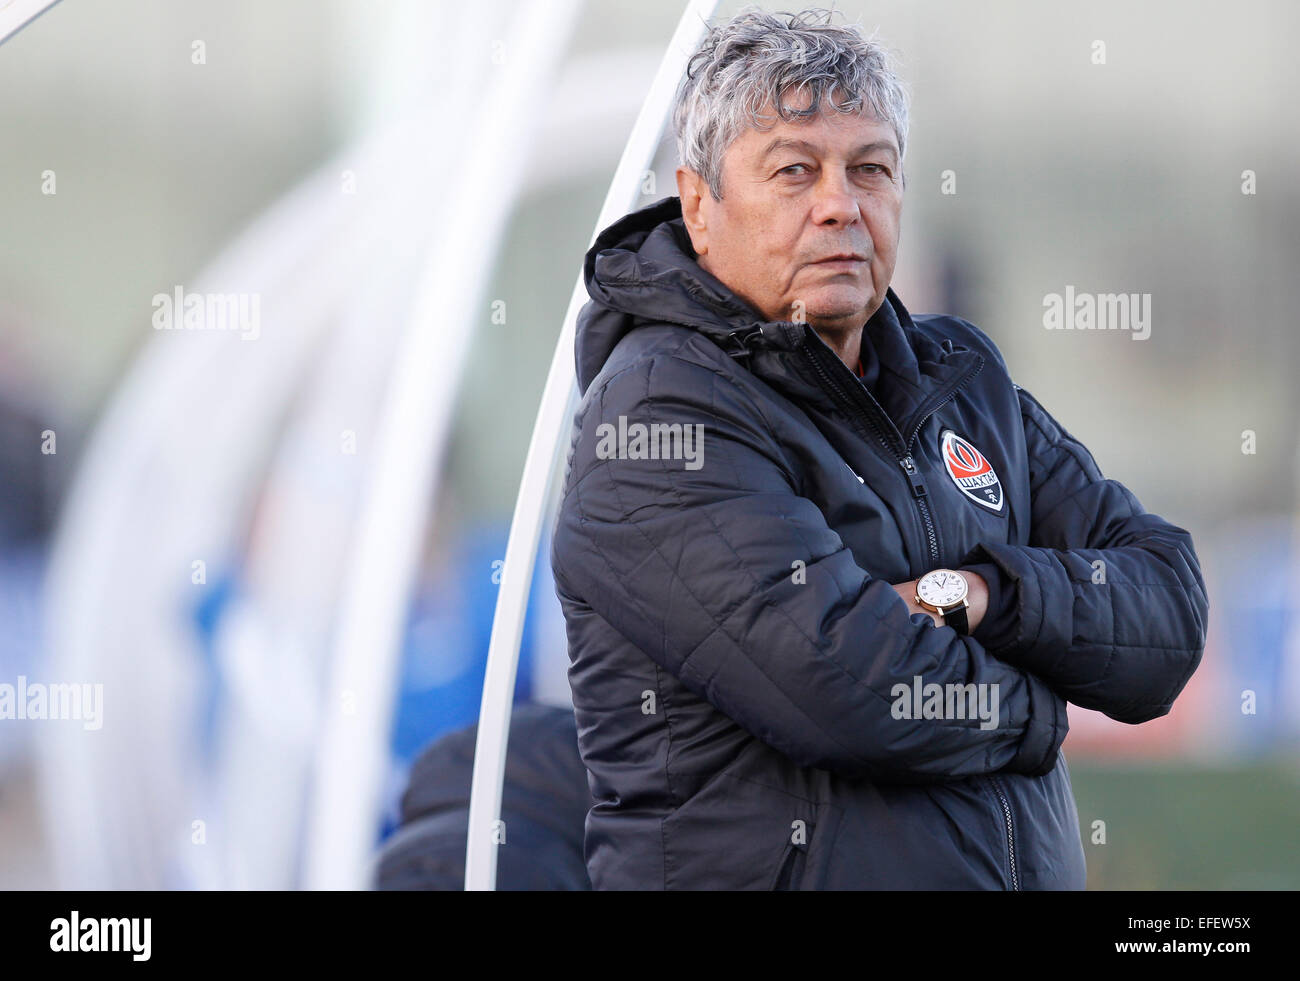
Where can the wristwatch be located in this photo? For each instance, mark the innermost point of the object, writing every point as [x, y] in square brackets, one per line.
[943, 591]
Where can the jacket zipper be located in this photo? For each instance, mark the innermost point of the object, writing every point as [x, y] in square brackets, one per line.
[881, 425]
[869, 409]
[918, 493]
[1011, 834]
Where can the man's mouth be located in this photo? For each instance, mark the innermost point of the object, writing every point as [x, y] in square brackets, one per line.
[842, 262]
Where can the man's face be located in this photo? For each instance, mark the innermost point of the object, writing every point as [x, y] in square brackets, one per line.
[793, 196]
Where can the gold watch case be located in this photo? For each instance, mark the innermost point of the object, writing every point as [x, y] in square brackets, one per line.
[963, 601]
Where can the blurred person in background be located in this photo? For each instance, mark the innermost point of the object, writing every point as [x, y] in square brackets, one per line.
[543, 803]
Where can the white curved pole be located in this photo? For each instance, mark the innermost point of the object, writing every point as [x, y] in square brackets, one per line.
[17, 14]
[411, 436]
[558, 402]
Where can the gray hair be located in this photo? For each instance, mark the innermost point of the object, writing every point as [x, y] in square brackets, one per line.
[754, 59]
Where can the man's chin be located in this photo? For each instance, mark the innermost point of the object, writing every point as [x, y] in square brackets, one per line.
[838, 305]
[838, 316]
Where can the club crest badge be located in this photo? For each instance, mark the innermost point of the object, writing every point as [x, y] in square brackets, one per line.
[970, 471]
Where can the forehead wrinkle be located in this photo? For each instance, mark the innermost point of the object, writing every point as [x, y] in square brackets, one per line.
[781, 143]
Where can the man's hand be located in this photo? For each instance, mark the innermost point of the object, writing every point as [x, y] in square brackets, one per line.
[977, 598]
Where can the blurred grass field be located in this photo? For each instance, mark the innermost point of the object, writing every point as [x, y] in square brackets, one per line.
[1188, 826]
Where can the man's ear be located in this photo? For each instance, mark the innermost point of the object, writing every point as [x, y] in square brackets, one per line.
[696, 197]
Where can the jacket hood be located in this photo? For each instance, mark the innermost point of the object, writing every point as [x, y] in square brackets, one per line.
[643, 269]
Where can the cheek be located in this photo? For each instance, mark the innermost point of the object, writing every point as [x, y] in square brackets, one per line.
[772, 262]
[758, 266]
[884, 229]
[754, 243]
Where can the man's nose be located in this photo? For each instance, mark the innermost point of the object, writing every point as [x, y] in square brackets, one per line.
[835, 203]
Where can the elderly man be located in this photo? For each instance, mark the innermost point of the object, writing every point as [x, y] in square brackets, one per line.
[829, 575]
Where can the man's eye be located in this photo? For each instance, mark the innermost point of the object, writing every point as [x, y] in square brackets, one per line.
[874, 169]
[791, 170]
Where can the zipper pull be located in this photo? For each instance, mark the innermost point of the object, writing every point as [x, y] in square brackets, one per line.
[913, 475]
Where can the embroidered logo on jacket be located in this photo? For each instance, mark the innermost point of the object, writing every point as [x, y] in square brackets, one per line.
[970, 471]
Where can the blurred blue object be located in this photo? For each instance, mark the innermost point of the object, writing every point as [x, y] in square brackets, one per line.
[22, 574]
[1261, 625]
[444, 654]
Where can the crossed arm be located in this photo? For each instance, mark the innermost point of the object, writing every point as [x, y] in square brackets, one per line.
[1106, 603]
[1126, 650]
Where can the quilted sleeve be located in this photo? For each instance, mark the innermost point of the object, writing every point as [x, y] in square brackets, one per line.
[1110, 604]
[718, 570]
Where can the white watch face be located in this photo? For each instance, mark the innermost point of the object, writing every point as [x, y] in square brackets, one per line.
[943, 587]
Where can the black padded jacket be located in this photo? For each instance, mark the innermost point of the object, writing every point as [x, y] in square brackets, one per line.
[756, 708]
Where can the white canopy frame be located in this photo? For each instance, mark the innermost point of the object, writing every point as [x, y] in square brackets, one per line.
[412, 439]
[17, 14]
[559, 400]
